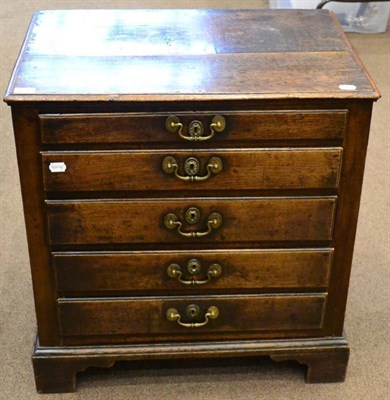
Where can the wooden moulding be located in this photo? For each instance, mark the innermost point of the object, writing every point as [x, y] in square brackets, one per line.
[56, 367]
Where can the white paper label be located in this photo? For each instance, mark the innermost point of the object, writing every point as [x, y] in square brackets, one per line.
[347, 87]
[57, 167]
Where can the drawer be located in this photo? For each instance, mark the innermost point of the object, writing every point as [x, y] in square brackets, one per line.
[190, 171]
[184, 271]
[240, 127]
[216, 314]
[228, 220]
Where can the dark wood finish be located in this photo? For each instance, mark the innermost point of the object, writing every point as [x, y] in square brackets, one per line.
[333, 352]
[305, 77]
[347, 212]
[147, 271]
[183, 59]
[142, 221]
[242, 169]
[146, 317]
[56, 375]
[27, 149]
[327, 366]
[297, 102]
[150, 128]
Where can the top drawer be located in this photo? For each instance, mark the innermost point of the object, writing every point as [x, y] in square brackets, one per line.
[245, 126]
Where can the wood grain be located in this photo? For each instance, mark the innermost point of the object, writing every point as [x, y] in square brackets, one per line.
[241, 127]
[56, 367]
[146, 272]
[242, 169]
[127, 60]
[27, 150]
[142, 221]
[169, 79]
[327, 366]
[355, 144]
[140, 316]
[93, 89]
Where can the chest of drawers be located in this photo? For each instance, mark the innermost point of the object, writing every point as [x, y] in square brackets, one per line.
[191, 183]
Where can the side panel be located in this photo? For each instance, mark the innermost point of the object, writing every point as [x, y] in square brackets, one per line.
[27, 139]
[355, 147]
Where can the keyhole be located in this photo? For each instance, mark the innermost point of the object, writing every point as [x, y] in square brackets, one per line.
[193, 266]
[192, 215]
[192, 311]
[191, 166]
[196, 129]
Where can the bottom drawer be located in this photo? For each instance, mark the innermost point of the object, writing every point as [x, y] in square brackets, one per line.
[190, 316]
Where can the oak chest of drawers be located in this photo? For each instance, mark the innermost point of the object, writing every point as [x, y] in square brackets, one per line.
[191, 183]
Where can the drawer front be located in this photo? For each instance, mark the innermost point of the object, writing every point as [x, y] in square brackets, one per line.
[188, 272]
[182, 170]
[190, 220]
[162, 316]
[239, 126]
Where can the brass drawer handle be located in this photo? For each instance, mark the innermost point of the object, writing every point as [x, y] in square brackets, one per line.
[192, 311]
[194, 267]
[195, 129]
[191, 167]
[214, 221]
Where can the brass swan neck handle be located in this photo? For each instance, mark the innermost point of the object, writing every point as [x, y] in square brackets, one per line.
[195, 129]
[214, 221]
[194, 266]
[192, 167]
[192, 311]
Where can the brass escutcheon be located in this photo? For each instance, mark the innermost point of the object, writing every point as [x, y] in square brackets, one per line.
[193, 266]
[196, 129]
[192, 311]
[192, 215]
[191, 166]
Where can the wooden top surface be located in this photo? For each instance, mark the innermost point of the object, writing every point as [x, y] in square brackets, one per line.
[125, 55]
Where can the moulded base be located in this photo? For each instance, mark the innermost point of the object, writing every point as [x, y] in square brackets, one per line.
[55, 368]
